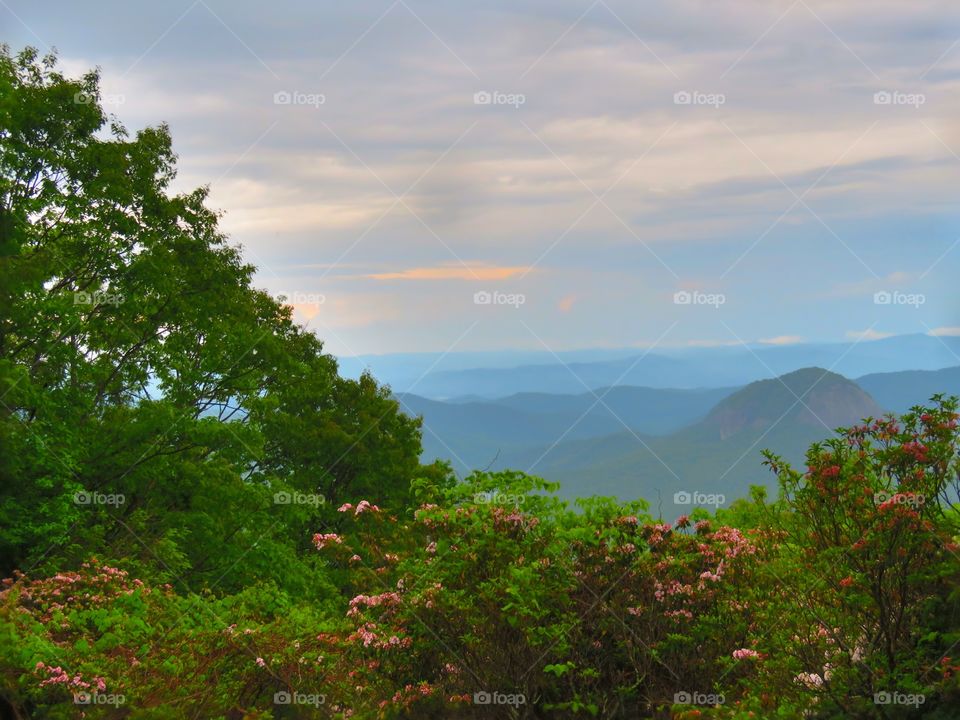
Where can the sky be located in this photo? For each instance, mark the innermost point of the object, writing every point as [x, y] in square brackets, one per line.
[426, 176]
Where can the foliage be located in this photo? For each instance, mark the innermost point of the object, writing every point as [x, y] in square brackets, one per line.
[138, 364]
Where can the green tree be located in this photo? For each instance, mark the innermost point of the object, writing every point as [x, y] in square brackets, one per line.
[137, 359]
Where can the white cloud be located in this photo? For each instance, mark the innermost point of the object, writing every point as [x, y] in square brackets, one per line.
[865, 288]
[782, 340]
[301, 187]
[712, 343]
[868, 334]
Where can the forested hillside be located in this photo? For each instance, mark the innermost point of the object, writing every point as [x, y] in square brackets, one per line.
[201, 518]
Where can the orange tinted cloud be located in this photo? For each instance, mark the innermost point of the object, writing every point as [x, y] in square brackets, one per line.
[782, 340]
[454, 272]
[566, 304]
[945, 332]
[868, 334]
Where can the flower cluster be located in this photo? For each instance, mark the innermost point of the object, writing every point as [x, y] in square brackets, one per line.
[321, 540]
[59, 676]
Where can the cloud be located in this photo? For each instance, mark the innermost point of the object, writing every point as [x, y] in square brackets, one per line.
[868, 334]
[312, 193]
[782, 340]
[454, 272]
[864, 288]
[712, 343]
[945, 332]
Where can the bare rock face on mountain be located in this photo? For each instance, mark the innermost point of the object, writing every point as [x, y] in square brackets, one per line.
[808, 397]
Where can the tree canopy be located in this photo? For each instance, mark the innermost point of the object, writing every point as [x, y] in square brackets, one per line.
[139, 361]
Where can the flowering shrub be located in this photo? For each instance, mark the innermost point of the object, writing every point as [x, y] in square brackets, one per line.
[99, 642]
[563, 609]
[862, 591]
[838, 600]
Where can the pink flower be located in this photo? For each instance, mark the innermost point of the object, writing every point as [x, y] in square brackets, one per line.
[387, 598]
[261, 662]
[366, 635]
[321, 540]
[745, 654]
[363, 506]
[345, 507]
[810, 680]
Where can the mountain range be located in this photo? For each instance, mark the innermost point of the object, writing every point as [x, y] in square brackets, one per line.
[446, 376]
[660, 443]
